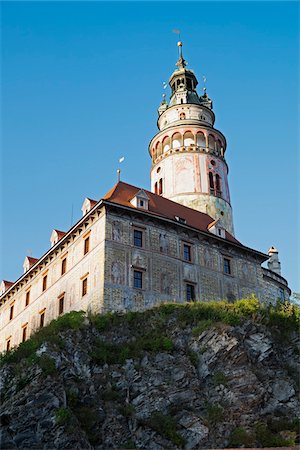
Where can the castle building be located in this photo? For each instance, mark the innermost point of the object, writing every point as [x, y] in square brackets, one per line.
[134, 249]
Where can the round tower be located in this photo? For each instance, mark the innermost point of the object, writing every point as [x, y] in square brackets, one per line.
[188, 153]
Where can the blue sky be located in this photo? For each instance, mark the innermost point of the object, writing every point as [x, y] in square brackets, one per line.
[81, 83]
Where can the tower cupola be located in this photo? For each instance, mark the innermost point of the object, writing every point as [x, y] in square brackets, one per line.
[188, 153]
[183, 83]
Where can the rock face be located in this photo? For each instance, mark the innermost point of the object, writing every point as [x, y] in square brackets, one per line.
[153, 381]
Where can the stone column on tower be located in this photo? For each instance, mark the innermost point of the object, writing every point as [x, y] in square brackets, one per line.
[188, 153]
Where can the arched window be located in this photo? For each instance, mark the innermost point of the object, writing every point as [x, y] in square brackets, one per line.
[211, 142]
[218, 184]
[176, 140]
[218, 146]
[211, 183]
[155, 188]
[201, 140]
[158, 149]
[166, 144]
[188, 139]
[160, 186]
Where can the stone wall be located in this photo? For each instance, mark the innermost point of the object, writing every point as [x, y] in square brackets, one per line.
[165, 272]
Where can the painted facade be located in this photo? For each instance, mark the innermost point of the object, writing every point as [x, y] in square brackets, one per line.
[134, 249]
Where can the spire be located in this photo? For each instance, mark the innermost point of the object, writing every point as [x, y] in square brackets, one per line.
[181, 63]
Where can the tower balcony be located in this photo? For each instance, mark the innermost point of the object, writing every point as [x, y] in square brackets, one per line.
[192, 148]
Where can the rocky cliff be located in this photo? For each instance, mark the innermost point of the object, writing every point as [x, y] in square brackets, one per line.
[196, 376]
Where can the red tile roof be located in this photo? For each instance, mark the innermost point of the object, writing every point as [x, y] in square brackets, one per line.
[32, 260]
[60, 234]
[93, 202]
[122, 193]
[7, 284]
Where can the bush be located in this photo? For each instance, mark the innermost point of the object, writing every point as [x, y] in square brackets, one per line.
[87, 418]
[111, 395]
[166, 427]
[127, 410]
[202, 326]
[214, 413]
[220, 378]
[240, 437]
[73, 320]
[47, 365]
[63, 416]
[267, 438]
[193, 358]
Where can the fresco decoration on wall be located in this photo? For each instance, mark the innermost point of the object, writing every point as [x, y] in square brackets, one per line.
[163, 243]
[165, 283]
[117, 272]
[207, 258]
[117, 231]
[189, 272]
[138, 260]
[184, 168]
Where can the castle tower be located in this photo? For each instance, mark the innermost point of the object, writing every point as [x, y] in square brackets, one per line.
[188, 153]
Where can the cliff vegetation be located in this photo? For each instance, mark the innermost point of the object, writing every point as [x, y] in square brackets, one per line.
[191, 376]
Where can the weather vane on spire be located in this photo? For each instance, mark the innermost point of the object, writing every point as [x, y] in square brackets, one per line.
[181, 63]
[204, 81]
[119, 170]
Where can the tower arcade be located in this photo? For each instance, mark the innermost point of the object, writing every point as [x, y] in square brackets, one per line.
[188, 153]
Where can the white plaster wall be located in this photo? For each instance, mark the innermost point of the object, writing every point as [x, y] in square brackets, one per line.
[78, 265]
[193, 112]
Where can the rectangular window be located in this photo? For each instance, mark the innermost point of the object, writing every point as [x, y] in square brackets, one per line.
[187, 252]
[86, 245]
[84, 287]
[8, 345]
[138, 238]
[227, 266]
[63, 266]
[138, 279]
[61, 305]
[11, 313]
[42, 319]
[27, 299]
[24, 334]
[44, 283]
[281, 294]
[190, 292]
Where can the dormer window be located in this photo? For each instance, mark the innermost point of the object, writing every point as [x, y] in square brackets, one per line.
[87, 205]
[29, 261]
[140, 200]
[56, 235]
[217, 229]
[180, 219]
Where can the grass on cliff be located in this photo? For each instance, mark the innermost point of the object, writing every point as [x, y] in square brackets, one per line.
[150, 328]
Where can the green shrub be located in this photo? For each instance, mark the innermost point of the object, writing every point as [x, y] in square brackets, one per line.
[283, 424]
[129, 445]
[63, 416]
[240, 437]
[47, 365]
[220, 378]
[105, 353]
[202, 326]
[111, 395]
[193, 357]
[87, 418]
[214, 413]
[166, 427]
[267, 438]
[73, 320]
[127, 410]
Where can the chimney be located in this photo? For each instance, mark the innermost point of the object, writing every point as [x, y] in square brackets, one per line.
[273, 262]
